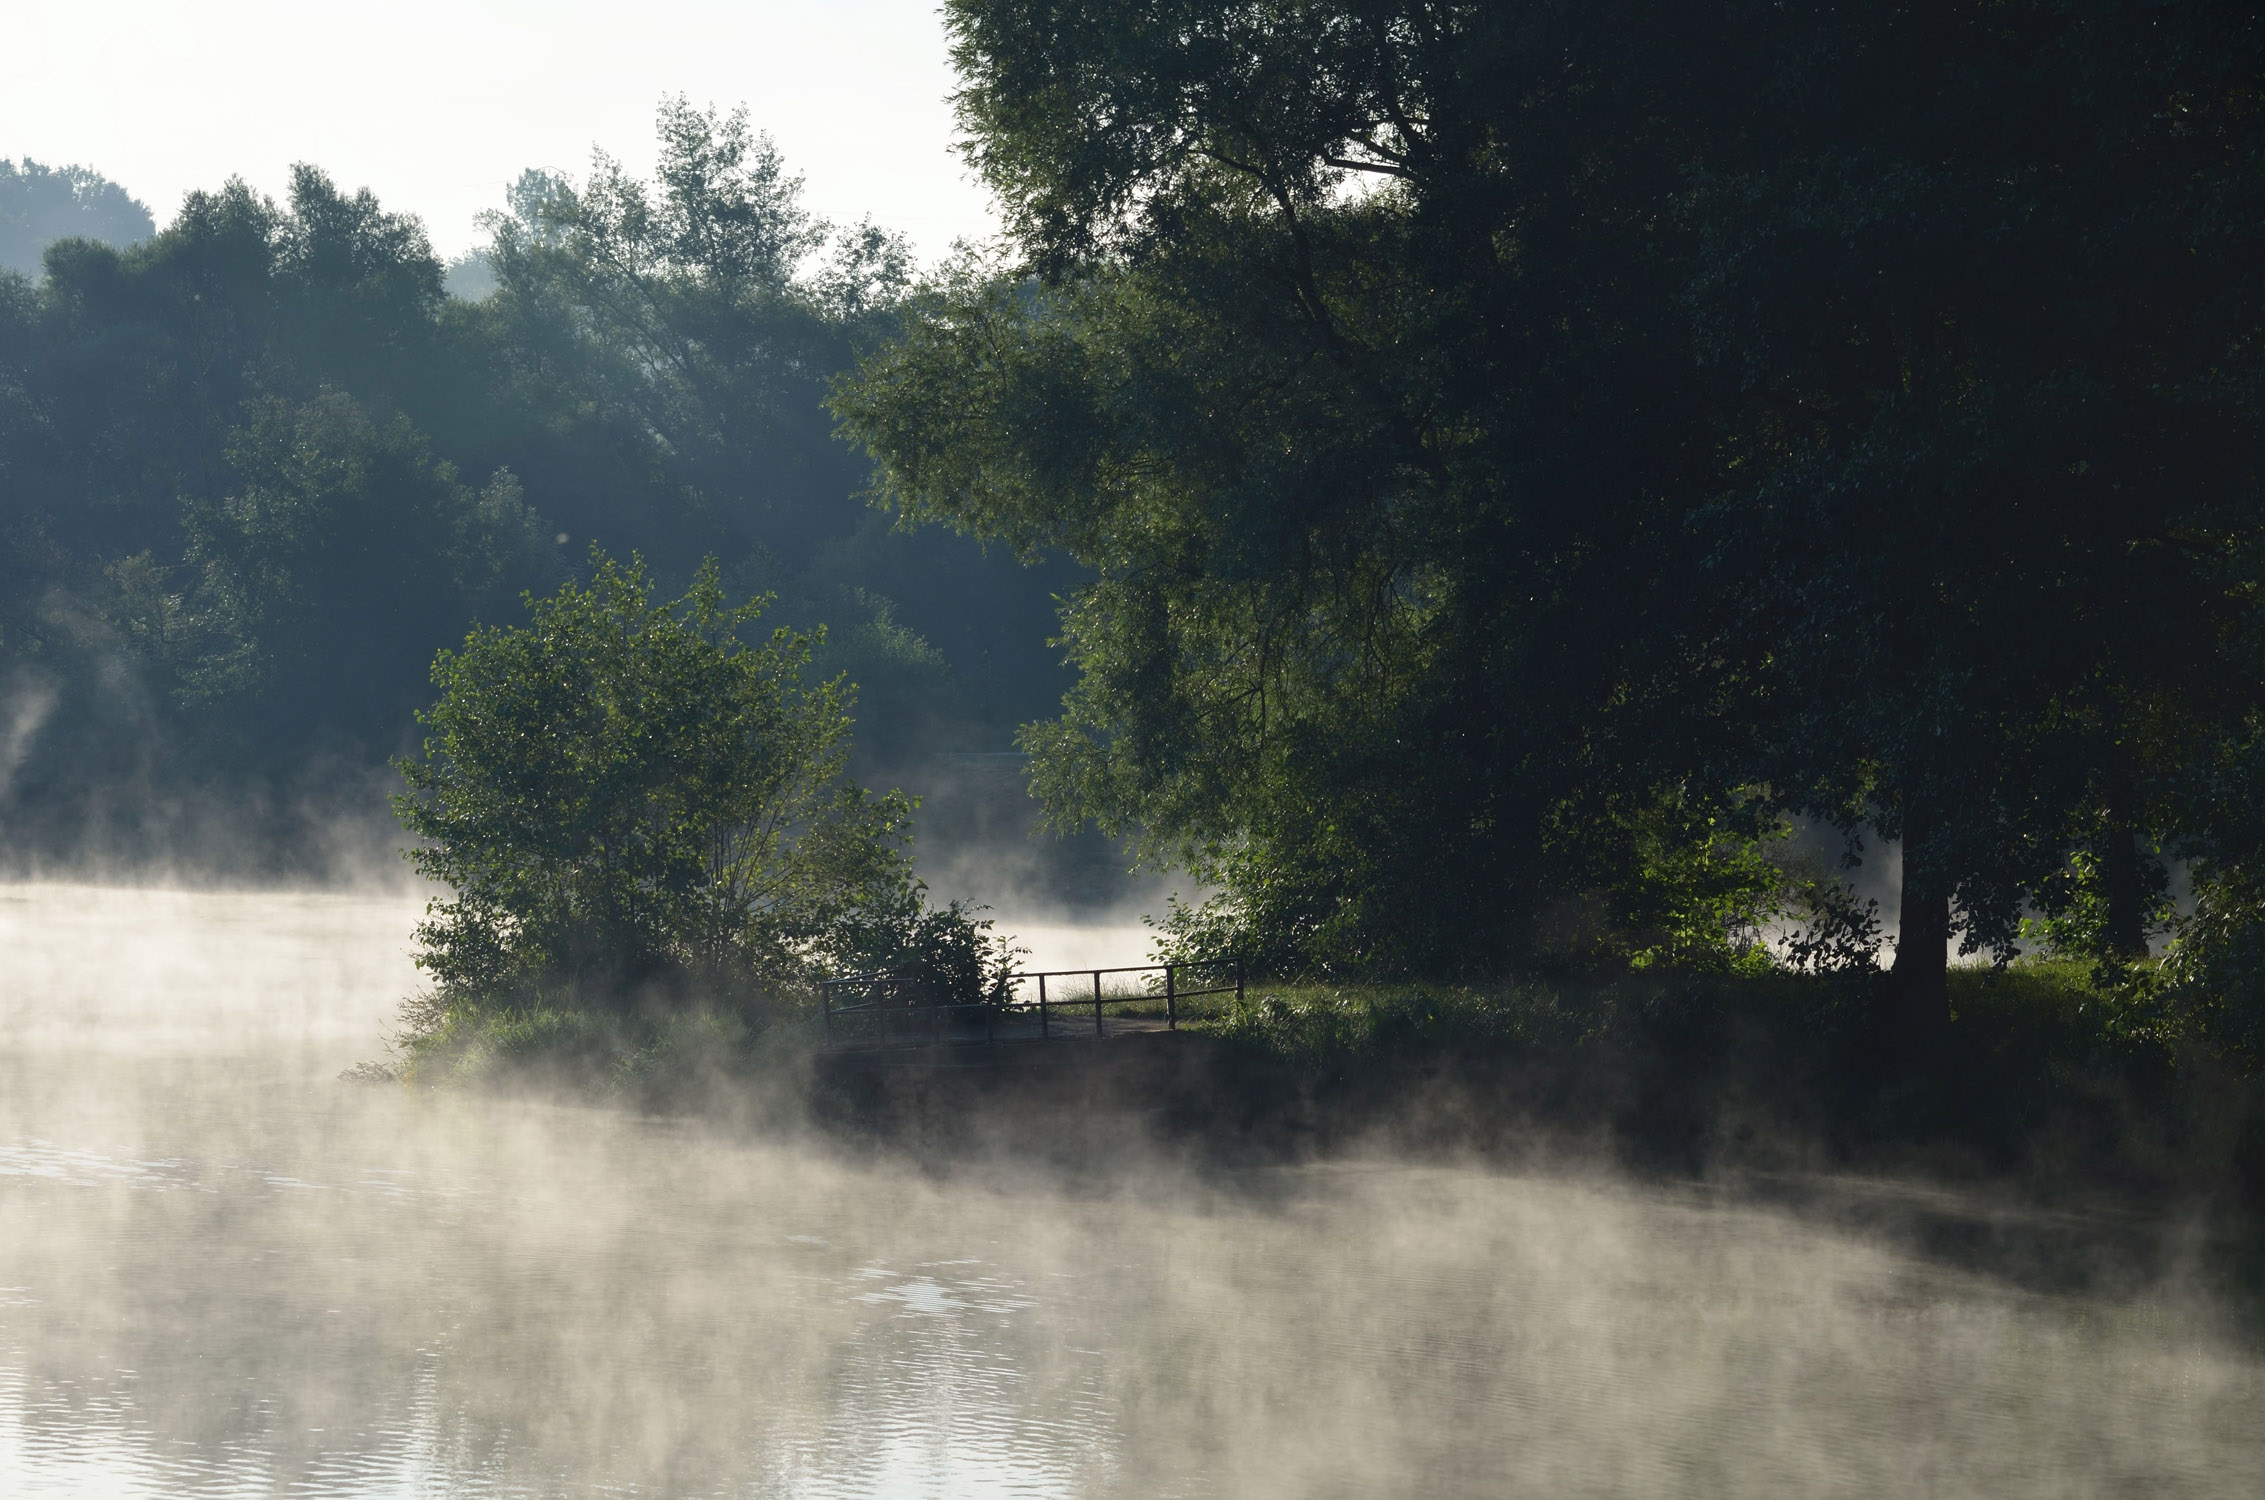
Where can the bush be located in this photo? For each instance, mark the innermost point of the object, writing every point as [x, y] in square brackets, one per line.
[639, 811]
[2213, 981]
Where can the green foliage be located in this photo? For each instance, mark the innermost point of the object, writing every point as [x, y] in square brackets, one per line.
[2213, 981]
[1834, 931]
[555, 1047]
[343, 538]
[1671, 885]
[229, 548]
[1701, 891]
[40, 205]
[1374, 508]
[1490, 425]
[699, 316]
[1324, 1029]
[2210, 987]
[256, 469]
[949, 953]
[677, 304]
[1288, 651]
[634, 806]
[1989, 459]
[2081, 913]
[924, 705]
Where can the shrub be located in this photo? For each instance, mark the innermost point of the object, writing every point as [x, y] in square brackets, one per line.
[636, 807]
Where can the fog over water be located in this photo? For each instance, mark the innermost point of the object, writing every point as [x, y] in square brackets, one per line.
[222, 1272]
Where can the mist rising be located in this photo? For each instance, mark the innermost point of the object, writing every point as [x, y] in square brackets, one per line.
[226, 1271]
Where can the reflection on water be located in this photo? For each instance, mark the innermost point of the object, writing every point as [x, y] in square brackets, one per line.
[223, 1273]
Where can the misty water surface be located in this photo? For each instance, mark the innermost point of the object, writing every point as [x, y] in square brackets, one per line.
[223, 1273]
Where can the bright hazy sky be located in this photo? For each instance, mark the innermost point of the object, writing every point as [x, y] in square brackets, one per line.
[435, 106]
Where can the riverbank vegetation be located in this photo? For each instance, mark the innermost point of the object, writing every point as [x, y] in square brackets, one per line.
[2051, 1081]
[1604, 539]
[1526, 455]
[2052, 1094]
[642, 816]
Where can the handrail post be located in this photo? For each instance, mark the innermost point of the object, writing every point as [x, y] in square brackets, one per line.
[1171, 1012]
[1097, 1002]
[991, 1011]
[1238, 980]
[1042, 1007]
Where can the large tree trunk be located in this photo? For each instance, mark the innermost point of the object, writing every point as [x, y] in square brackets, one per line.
[2126, 894]
[1920, 980]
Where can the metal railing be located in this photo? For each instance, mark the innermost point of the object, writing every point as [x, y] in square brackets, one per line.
[877, 1009]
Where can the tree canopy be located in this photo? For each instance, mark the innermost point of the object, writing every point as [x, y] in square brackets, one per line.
[631, 803]
[1524, 448]
[257, 467]
[40, 205]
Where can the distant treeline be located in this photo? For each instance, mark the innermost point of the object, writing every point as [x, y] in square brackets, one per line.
[257, 467]
[40, 205]
[1517, 457]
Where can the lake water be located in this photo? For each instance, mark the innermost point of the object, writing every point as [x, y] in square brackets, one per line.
[224, 1273]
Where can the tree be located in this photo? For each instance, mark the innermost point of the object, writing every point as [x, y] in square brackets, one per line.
[1362, 392]
[343, 542]
[2214, 975]
[1490, 424]
[633, 805]
[687, 309]
[231, 550]
[1985, 304]
[676, 336]
[251, 479]
[40, 205]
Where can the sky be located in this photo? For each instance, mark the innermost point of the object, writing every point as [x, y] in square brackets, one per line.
[435, 106]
